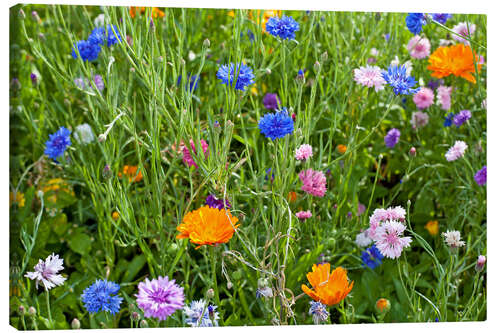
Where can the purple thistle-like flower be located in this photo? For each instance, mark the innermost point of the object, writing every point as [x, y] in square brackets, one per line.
[460, 118]
[160, 298]
[271, 101]
[213, 202]
[392, 137]
[480, 176]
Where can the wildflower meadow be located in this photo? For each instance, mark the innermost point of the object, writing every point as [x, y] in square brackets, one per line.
[175, 167]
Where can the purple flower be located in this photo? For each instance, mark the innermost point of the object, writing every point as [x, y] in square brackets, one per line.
[441, 17]
[460, 118]
[160, 298]
[213, 202]
[480, 176]
[34, 79]
[271, 101]
[392, 137]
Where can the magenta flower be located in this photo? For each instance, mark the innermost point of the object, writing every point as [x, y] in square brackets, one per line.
[423, 98]
[369, 76]
[46, 272]
[160, 298]
[188, 158]
[303, 152]
[419, 47]
[303, 215]
[456, 152]
[389, 239]
[444, 97]
[314, 182]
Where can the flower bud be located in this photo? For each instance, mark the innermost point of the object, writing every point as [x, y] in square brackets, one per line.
[210, 293]
[229, 285]
[206, 43]
[15, 84]
[115, 216]
[143, 324]
[102, 137]
[22, 310]
[31, 311]
[41, 36]
[481, 261]
[268, 71]
[106, 172]
[413, 151]
[35, 16]
[75, 324]
[135, 316]
[324, 56]
[34, 79]
[317, 66]
[21, 14]
[382, 306]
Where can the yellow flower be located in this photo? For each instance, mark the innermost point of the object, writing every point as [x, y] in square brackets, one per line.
[432, 227]
[254, 91]
[115, 215]
[18, 199]
[265, 16]
[53, 186]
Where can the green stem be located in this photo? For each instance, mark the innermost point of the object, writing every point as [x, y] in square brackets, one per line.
[214, 275]
[47, 298]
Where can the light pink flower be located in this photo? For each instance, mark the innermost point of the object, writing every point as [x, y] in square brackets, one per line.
[389, 239]
[362, 239]
[303, 215]
[381, 215]
[481, 261]
[369, 76]
[419, 47]
[456, 152]
[463, 28]
[419, 119]
[444, 97]
[423, 98]
[303, 152]
[187, 158]
[46, 272]
[452, 238]
[361, 209]
[314, 182]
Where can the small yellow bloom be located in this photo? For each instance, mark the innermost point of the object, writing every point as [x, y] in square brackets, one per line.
[265, 17]
[115, 215]
[231, 13]
[53, 186]
[432, 227]
[18, 199]
[254, 91]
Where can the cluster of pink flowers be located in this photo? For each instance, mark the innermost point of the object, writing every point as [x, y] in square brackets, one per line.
[444, 97]
[456, 152]
[423, 98]
[419, 47]
[303, 215]
[369, 76]
[386, 229]
[187, 158]
[303, 152]
[313, 182]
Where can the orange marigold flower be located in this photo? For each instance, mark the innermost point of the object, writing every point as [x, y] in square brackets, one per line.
[265, 16]
[208, 226]
[456, 59]
[115, 215]
[342, 148]
[154, 14]
[131, 172]
[292, 196]
[328, 288]
[432, 227]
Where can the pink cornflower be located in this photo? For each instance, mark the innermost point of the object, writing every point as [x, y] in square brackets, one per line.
[423, 98]
[160, 298]
[419, 119]
[456, 152]
[187, 158]
[303, 152]
[452, 238]
[389, 241]
[444, 97]
[46, 272]
[369, 76]
[419, 47]
[314, 182]
[463, 28]
[381, 215]
[303, 215]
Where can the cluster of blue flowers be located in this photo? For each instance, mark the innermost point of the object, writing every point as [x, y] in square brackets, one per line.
[284, 27]
[398, 78]
[89, 49]
[241, 73]
[57, 143]
[276, 125]
[372, 257]
[415, 21]
[100, 297]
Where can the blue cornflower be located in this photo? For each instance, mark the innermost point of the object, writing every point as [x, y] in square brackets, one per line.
[372, 257]
[283, 27]
[276, 125]
[199, 314]
[243, 75]
[192, 80]
[99, 36]
[414, 22]
[387, 37]
[87, 50]
[441, 18]
[269, 172]
[319, 312]
[112, 39]
[392, 138]
[57, 143]
[448, 119]
[99, 297]
[399, 80]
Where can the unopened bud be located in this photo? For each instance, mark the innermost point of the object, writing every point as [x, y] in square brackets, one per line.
[324, 56]
[268, 71]
[21, 14]
[143, 324]
[135, 316]
[206, 43]
[35, 16]
[22, 310]
[34, 79]
[15, 84]
[183, 62]
[382, 306]
[106, 172]
[481, 261]
[413, 151]
[210, 293]
[229, 285]
[40, 194]
[41, 36]
[31, 311]
[102, 137]
[317, 66]
[75, 324]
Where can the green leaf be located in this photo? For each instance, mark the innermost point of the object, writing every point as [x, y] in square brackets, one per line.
[80, 243]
